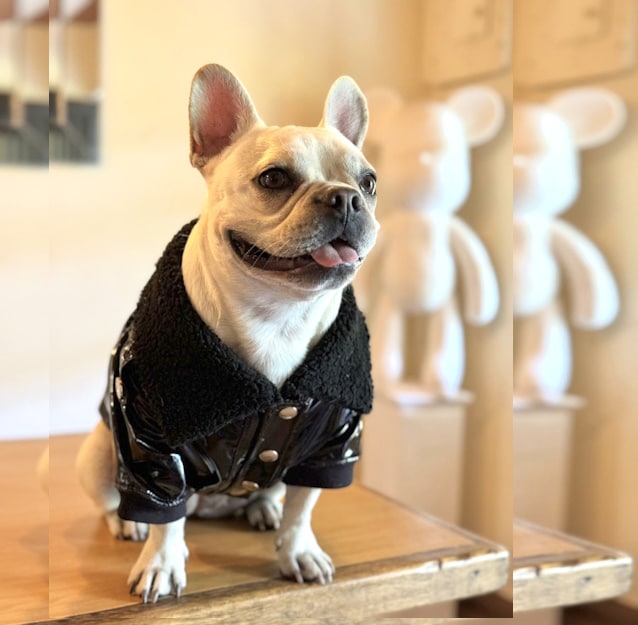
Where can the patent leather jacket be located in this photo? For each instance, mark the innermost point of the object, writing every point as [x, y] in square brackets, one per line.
[187, 414]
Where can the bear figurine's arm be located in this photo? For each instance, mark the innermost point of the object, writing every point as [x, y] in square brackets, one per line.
[481, 288]
[592, 288]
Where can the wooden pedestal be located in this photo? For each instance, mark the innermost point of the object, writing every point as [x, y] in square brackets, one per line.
[414, 454]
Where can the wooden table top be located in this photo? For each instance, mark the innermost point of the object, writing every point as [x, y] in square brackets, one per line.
[553, 569]
[24, 517]
[387, 558]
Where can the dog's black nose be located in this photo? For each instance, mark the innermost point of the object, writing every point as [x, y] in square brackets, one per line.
[345, 200]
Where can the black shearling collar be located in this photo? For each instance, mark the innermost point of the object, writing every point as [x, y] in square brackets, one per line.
[196, 384]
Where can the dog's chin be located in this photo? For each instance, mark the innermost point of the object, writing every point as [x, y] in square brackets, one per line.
[302, 271]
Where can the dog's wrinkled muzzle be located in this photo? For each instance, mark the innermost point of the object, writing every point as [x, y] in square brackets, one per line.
[334, 237]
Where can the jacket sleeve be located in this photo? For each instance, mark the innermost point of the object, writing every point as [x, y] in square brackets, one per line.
[150, 477]
[332, 465]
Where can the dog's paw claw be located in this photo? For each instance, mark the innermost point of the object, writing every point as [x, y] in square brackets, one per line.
[159, 574]
[264, 513]
[126, 530]
[304, 562]
[159, 583]
[308, 567]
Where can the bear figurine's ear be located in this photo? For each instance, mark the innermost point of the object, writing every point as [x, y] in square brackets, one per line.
[595, 115]
[482, 111]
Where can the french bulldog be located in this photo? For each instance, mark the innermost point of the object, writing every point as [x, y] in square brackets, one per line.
[265, 271]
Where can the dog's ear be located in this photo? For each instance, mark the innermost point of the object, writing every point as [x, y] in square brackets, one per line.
[346, 110]
[219, 111]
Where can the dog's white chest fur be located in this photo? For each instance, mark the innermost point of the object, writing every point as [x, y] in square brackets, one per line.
[271, 332]
[277, 344]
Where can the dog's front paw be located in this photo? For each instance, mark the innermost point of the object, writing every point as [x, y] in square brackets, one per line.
[301, 557]
[159, 572]
[125, 530]
[264, 513]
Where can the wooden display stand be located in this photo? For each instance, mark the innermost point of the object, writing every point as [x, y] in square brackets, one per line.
[387, 557]
[542, 438]
[414, 454]
[552, 569]
[541, 464]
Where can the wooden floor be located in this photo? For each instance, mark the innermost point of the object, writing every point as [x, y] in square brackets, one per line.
[387, 558]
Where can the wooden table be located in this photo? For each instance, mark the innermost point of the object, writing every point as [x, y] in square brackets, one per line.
[553, 569]
[24, 532]
[387, 558]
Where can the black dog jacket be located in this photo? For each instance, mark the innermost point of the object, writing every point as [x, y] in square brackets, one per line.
[187, 414]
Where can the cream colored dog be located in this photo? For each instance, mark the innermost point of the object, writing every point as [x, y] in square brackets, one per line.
[289, 219]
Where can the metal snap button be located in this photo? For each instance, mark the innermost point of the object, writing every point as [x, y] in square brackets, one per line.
[289, 412]
[126, 354]
[119, 388]
[269, 455]
[251, 487]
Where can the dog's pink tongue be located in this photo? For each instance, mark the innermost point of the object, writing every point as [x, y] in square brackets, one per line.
[335, 253]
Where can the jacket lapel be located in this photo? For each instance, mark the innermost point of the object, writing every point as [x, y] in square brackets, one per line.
[196, 384]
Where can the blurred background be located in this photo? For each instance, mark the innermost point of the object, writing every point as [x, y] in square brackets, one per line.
[79, 238]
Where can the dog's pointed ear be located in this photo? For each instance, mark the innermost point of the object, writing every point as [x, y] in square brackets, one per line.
[346, 110]
[219, 111]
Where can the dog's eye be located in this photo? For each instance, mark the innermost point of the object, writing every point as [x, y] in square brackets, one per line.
[274, 178]
[368, 184]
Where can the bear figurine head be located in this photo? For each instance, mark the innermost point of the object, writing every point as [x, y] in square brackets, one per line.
[424, 146]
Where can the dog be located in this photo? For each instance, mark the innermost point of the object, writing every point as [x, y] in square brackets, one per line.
[245, 369]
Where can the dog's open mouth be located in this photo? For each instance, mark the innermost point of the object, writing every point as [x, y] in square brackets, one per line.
[332, 254]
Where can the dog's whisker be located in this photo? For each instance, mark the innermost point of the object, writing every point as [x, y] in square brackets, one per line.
[259, 256]
[247, 252]
[250, 251]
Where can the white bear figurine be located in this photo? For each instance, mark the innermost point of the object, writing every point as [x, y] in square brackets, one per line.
[424, 174]
[547, 140]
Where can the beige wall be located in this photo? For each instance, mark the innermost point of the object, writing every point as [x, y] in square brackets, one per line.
[34, 67]
[286, 53]
[7, 67]
[24, 328]
[604, 504]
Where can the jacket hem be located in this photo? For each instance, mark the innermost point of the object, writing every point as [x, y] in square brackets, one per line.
[335, 476]
[136, 508]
